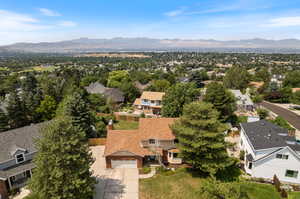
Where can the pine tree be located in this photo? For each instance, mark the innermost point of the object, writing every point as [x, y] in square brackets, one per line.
[221, 98]
[77, 109]
[62, 163]
[201, 138]
[47, 108]
[15, 111]
[3, 121]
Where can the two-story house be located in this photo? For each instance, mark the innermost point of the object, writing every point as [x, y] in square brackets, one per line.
[149, 102]
[270, 150]
[153, 141]
[16, 153]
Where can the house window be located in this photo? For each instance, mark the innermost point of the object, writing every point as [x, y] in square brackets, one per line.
[152, 101]
[170, 154]
[282, 156]
[291, 173]
[175, 155]
[241, 142]
[158, 102]
[20, 158]
[250, 165]
[152, 141]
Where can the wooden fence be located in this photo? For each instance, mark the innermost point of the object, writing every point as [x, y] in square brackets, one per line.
[97, 141]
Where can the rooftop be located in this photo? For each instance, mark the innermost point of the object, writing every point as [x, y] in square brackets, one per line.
[152, 95]
[263, 135]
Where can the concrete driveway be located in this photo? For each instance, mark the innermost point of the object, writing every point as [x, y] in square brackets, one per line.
[113, 183]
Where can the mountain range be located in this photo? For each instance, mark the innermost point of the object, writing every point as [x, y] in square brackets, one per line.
[143, 44]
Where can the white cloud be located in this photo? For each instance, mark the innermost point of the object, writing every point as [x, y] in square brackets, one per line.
[285, 21]
[175, 13]
[11, 21]
[49, 13]
[67, 24]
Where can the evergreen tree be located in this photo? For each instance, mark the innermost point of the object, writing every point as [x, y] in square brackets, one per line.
[77, 109]
[47, 108]
[62, 163]
[221, 98]
[3, 121]
[29, 83]
[201, 138]
[176, 97]
[15, 111]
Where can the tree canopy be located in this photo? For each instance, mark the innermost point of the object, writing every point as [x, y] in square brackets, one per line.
[237, 78]
[201, 138]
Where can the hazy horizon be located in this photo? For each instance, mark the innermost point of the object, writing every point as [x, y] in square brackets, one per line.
[52, 21]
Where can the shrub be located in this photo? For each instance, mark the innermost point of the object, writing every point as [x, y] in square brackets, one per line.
[242, 155]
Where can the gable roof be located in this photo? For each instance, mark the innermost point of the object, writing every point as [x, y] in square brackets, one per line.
[20, 138]
[156, 128]
[115, 94]
[124, 141]
[95, 88]
[263, 135]
[129, 141]
[152, 95]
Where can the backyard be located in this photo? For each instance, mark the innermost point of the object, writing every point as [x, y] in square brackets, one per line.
[126, 125]
[184, 185]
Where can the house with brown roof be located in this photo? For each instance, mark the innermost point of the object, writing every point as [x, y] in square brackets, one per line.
[152, 142]
[149, 102]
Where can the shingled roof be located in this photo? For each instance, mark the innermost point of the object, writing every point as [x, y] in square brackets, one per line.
[263, 135]
[20, 138]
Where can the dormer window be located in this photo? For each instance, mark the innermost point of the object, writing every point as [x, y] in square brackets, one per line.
[20, 158]
[152, 141]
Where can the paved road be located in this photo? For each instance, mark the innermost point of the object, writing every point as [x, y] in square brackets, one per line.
[113, 183]
[288, 115]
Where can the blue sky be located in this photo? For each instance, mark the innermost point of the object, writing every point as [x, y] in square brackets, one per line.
[55, 20]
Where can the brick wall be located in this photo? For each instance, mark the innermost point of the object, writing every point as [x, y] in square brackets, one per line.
[138, 158]
[3, 190]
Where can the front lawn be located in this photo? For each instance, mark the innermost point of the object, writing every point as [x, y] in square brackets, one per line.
[294, 195]
[126, 125]
[183, 185]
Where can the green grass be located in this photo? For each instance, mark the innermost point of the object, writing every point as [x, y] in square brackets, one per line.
[183, 185]
[294, 195]
[126, 125]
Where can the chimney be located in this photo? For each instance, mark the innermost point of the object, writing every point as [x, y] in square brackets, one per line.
[291, 133]
[110, 125]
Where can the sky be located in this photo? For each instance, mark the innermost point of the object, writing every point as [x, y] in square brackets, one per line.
[57, 20]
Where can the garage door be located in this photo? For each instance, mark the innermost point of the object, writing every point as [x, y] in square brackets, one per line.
[124, 163]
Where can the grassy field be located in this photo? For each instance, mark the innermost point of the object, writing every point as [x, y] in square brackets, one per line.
[295, 195]
[183, 185]
[126, 125]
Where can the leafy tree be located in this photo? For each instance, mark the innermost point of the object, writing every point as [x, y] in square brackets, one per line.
[76, 108]
[97, 102]
[201, 138]
[262, 113]
[292, 79]
[222, 99]
[214, 189]
[262, 75]
[282, 122]
[29, 83]
[15, 111]
[176, 97]
[62, 163]
[88, 80]
[47, 108]
[296, 97]
[236, 78]
[3, 121]
[160, 85]
[130, 91]
[198, 77]
[116, 78]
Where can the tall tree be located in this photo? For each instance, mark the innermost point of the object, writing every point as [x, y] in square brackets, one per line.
[160, 85]
[47, 108]
[3, 121]
[62, 163]
[15, 111]
[176, 97]
[201, 138]
[77, 109]
[292, 79]
[115, 78]
[222, 99]
[237, 78]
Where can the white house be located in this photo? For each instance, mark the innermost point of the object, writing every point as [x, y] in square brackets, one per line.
[270, 150]
[243, 101]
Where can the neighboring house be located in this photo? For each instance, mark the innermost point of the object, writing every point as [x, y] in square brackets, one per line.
[256, 85]
[294, 90]
[270, 150]
[114, 94]
[141, 87]
[149, 102]
[16, 153]
[243, 101]
[152, 142]
[278, 79]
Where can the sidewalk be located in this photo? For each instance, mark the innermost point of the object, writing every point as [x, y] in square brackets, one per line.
[149, 175]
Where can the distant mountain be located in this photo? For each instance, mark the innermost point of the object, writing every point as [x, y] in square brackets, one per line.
[139, 44]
